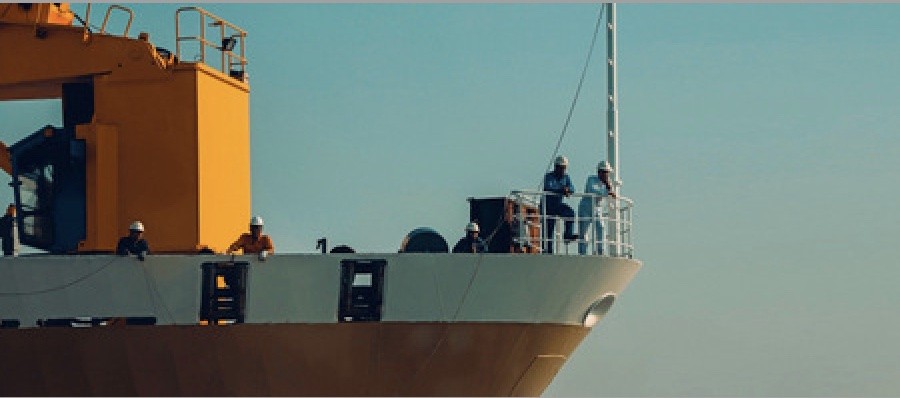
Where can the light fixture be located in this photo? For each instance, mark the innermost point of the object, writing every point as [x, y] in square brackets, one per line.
[228, 43]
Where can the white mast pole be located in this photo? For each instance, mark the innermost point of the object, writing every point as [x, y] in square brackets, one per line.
[612, 125]
[612, 116]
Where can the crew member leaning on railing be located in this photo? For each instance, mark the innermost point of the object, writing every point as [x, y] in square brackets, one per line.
[134, 243]
[470, 243]
[255, 242]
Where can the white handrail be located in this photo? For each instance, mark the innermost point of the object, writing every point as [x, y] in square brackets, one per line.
[613, 215]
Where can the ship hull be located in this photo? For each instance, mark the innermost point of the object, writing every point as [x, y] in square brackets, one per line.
[445, 325]
[359, 359]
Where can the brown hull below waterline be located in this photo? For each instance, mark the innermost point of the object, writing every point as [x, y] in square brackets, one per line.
[381, 359]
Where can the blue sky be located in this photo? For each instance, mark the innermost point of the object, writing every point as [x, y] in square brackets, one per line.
[758, 140]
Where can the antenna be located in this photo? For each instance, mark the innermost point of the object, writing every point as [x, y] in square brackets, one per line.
[612, 97]
[612, 127]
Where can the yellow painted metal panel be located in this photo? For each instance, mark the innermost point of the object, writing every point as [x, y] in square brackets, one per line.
[33, 62]
[157, 155]
[178, 157]
[223, 158]
[52, 13]
[102, 169]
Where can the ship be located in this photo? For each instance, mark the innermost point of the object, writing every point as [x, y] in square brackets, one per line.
[148, 134]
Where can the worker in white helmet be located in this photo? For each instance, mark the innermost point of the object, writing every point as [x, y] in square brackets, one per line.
[471, 243]
[254, 242]
[590, 208]
[557, 185]
[134, 243]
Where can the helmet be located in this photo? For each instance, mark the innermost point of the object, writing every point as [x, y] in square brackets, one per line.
[561, 161]
[136, 226]
[256, 221]
[604, 165]
[472, 227]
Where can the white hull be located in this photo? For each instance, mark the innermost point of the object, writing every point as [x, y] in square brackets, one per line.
[304, 288]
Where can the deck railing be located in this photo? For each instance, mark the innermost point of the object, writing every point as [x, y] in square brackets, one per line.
[613, 215]
[86, 21]
[230, 44]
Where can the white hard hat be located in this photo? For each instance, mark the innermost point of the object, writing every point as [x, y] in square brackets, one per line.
[256, 221]
[604, 165]
[136, 226]
[472, 227]
[561, 161]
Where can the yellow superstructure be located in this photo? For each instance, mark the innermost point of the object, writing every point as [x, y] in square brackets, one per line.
[167, 141]
[45, 13]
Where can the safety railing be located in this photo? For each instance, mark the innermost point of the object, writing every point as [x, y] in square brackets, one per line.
[230, 45]
[603, 224]
[120, 8]
[86, 21]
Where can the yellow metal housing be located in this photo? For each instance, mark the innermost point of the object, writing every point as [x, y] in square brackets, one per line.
[168, 143]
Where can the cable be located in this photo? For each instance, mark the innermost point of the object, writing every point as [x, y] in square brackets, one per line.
[60, 287]
[151, 284]
[448, 324]
[83, 23]
[587, 62]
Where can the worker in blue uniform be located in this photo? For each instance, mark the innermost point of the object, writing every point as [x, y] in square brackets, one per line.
[557, 185]
[7, 230]
[470, 243]
[134, 243]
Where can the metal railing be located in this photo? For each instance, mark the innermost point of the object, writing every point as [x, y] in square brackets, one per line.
[230, 45]
[86, 22]
[613, 216]
[123, 9]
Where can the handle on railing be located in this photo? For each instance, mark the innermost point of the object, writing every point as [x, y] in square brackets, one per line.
[109, 11]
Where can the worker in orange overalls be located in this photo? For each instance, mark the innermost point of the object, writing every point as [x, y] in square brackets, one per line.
[254, 242]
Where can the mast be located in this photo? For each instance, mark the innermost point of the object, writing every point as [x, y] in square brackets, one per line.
[612, 97]
[612, 128]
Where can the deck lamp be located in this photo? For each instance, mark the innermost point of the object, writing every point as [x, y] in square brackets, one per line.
[228, 43]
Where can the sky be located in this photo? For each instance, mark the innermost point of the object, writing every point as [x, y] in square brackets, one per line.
[759, 142]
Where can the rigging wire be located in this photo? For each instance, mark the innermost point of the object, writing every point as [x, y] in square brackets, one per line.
[151, 284]
[587, 62]
[64, 285]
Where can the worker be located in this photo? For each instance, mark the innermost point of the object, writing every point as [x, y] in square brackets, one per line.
[8, 230]
[557, 185]
[590, 209]
[254, 242]
[470, 243]
[134, 243]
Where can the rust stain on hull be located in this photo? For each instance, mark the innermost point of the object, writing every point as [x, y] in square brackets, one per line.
[362, 359]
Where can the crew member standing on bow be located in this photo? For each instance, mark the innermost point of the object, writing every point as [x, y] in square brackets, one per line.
[590, 209]
[254, 242]
[557, 185]
[134, 243]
